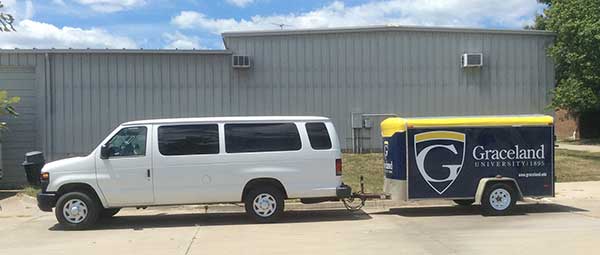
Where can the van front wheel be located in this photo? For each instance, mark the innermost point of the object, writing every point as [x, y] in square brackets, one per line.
[77, 210]
[264, 204]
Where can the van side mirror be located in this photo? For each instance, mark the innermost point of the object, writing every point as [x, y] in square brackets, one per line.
[104, 152]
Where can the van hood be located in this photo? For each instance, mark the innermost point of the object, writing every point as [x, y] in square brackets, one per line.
[75, 164]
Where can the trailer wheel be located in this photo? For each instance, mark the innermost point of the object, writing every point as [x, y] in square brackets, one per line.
[264, 204]
[498, 199]
[464, 202]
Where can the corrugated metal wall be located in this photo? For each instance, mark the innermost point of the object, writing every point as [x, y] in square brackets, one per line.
[411, 73]
[93, 93]
[80, 97]
[22, 75]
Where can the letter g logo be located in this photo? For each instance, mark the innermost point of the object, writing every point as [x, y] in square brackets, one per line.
[445, 140]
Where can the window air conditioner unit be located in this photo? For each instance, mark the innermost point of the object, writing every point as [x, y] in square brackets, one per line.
[472, 60]
[239, 61]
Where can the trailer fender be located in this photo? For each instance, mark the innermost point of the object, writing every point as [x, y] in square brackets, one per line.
[483, 182]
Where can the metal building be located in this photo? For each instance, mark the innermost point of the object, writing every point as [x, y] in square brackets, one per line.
[72, 98]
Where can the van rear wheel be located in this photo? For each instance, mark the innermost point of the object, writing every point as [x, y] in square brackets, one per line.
[77, 210]
[264, 204]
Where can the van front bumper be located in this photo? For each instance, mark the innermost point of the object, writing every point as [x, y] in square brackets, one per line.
[343, 191]
[46, 201]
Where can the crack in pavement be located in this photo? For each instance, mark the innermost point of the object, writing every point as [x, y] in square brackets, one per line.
[187, 251]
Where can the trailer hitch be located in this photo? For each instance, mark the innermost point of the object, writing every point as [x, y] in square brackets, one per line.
[357, 200]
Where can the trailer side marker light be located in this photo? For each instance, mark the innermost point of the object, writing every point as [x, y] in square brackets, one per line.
[546, 186]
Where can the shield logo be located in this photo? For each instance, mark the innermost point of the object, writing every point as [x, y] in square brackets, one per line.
[440, 156]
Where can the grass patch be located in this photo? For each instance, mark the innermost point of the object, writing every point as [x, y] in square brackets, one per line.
[30, 191]
[369, 165]
[570, 166]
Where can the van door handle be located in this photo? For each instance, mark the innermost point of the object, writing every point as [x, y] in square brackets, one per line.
[148, 173]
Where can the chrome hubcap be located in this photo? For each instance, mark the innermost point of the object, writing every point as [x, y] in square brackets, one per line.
[264, 205]
[75, 211]
[500, 199]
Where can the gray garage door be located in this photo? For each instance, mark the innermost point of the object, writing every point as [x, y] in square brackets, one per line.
[20, 138]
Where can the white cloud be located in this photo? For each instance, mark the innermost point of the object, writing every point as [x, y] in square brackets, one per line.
[178, 40]
[240, 3]
[458, 13]
[111, 5]
[19, 9]
[33, 34]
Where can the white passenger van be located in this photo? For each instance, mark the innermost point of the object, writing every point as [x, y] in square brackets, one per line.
[256, 160]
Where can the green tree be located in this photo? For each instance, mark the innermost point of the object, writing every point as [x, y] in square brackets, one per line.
[7, 108]
[6, 21]
[576, 52]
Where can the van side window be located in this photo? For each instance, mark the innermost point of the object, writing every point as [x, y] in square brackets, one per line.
[130, 141]
[318, 136]
[262, 137]
[188, 139]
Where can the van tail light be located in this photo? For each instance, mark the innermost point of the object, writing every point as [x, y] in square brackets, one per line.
[338, 167]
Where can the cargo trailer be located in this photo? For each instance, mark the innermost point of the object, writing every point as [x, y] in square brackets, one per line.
[491, 160]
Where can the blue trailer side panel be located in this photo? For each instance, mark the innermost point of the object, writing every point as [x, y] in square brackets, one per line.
[394, 156]
[449, 162]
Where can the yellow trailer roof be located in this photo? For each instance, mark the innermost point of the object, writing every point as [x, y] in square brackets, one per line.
[392, 125]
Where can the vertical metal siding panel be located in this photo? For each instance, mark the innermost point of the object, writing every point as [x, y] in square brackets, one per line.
[113, 92]
[139, 86]
[157, 102]
[86, 141]
[58, 106]
[192, 103]
[42, 102]
[68, 103]
[225, 87]
[105, 92]
[76, 108]
[292, 79]
[201, 87]
[287, 62]
[130, 90]
[217, 85]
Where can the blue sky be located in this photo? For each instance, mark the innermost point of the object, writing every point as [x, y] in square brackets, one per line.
[198, 23]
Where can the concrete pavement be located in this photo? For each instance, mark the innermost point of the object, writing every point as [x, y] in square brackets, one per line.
[569, 223]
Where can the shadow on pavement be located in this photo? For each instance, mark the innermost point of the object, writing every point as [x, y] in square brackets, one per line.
[6, 194]
[218, 219]
[521, 209]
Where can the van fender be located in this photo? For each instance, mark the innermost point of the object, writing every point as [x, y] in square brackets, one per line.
[88, 179]
[483, 182]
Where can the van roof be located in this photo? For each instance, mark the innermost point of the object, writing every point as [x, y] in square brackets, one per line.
[227, 119]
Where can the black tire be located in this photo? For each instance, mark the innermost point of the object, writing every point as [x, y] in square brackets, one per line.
[92, 213]
[265, 215]
[500, 207]
[109, 212]
[464, 202]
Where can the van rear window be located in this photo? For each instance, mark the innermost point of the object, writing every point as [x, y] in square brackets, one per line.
[188, 139]
[261, 137]
[318, 136]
